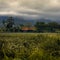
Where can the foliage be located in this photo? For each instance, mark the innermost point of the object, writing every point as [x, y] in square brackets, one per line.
[29, 46]
[10, 26]
[47, 27]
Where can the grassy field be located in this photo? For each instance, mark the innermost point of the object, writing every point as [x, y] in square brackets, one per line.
[29, 46]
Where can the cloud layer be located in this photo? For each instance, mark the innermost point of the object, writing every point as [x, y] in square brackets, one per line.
[44, 8]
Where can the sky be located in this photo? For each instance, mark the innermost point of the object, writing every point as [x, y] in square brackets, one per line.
[31, 8]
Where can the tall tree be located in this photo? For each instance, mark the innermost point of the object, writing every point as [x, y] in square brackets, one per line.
[40, 26]
[53, 26]
[9, 23]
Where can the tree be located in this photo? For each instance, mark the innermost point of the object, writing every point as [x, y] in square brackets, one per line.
[53, 26]
[21, 25]
[40, 26]
[9, 24]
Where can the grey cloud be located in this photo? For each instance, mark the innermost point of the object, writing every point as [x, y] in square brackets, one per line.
[43, 8]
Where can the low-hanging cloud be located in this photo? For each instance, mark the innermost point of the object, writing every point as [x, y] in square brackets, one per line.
[30, 7]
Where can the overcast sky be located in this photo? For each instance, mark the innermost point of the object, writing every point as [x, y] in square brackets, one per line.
[33, 8]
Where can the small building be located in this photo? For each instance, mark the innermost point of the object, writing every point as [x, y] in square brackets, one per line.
[28, 29]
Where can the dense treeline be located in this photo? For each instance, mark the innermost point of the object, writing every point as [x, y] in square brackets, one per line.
[10, 26]
[47, 27]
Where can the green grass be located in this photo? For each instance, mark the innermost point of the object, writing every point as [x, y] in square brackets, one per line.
[29, 46]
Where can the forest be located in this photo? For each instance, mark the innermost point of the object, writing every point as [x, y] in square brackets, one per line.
[9, 25]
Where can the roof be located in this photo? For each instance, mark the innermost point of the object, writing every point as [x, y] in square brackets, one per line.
[28, 28]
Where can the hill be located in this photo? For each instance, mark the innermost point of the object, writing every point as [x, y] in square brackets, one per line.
[23, 20]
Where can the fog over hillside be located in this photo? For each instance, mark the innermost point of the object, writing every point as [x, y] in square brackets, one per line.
[23, 19]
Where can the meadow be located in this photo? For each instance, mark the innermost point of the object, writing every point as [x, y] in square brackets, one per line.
[30, 46]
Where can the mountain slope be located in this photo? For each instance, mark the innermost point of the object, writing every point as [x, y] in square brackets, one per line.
[21, 20]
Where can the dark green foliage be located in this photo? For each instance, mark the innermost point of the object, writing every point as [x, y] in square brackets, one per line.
[56, 54]
[10, 54]
[8, 24]
[47, 27]
[1, 55]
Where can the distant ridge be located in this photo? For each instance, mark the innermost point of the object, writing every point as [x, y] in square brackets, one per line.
[22, 20]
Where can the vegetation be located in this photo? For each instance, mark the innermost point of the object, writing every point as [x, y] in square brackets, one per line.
[10, 26]
[30, 46]
[47, 27]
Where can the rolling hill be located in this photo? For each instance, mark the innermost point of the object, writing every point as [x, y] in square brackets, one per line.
[22, 20]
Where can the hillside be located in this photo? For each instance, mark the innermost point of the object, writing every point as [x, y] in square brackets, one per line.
[23, 20]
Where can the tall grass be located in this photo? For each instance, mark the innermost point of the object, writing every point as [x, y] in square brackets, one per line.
[29, 46]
